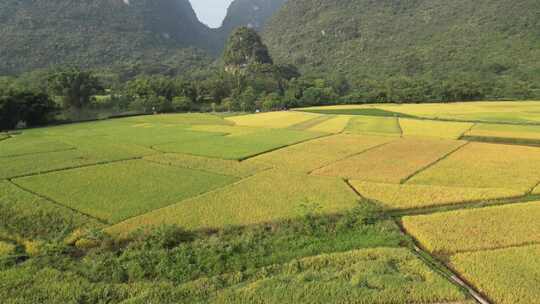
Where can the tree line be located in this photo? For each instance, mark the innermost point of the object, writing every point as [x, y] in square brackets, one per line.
[246, 80]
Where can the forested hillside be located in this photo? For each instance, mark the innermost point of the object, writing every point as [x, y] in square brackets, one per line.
[251, 13]
[432, 39]
[97, 33]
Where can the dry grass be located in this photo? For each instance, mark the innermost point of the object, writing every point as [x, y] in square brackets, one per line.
[480, 165]
[393, 162]
[402, 197]
[477, 229]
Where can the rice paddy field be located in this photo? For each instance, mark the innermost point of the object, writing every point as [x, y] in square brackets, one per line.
[339, 204]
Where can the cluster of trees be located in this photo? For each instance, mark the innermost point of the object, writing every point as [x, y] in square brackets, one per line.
[245, 80]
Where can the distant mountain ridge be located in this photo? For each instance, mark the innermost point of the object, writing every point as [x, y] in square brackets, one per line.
[432, 38]
[39, 34]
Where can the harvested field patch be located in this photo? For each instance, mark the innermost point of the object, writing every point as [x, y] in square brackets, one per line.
[429, 128]
[114, 192]
[316, 153]
[266, 197]
[508, 276]
[477, 229]
[481, 165]
[393, 162]
[408, 196]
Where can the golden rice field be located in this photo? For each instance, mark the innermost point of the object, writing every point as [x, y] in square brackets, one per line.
[473, 206]
[393, 162]
[410, 196]
[477, 229]
[483, 165]
[507, 276]
[292, 195]
[314, 154]
[272, 119]
[429, 128]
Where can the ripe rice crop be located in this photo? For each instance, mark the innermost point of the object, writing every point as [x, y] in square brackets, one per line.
[536, 191]
[310, 123]
[388, 126]
[6, 249]
[24, 215]
[180, 119]
[506, 131]
[241, 146]
[229, 130]
[402, 197]
[114, 192]
[508, 276]
[379, 275]
[282, 119]
[333, 125]
[316, 153]
[265, 197]
[481, 165]
[393, 162]
[214, 165]
[477, 229]
[442, 129]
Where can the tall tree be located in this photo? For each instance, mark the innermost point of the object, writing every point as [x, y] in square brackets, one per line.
[75, 86]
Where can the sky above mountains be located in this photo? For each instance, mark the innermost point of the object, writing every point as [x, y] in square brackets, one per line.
[211, 12]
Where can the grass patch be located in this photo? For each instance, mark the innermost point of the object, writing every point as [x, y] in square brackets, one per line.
[404, 197]
[26, 216]
[268, 196]
[477, 229]
[23, 145]
[218, 166]
[6, 249]
[316, 153]
[508, 276]
[441, 129]
[481, 165]
[333, 125]
[387, 126]
[114, 192]
[239, 147]
[391, 163]
[283, 119]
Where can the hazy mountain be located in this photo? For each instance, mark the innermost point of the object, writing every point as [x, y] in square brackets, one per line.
[38, 34]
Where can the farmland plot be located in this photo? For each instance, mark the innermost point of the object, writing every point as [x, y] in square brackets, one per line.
[22, 145]
[374, 125]
[179, 119]
[239, 147]
[477, 229]
[26, 216]
[333, 125]
[409, 196]
[441, 129]
[265, 197]
[317, 153]
[393, 162]
[506, 133]
[379, 275]
[508, 276]
[481, 165]
[282, 119]
[214, 165]
[114, 192]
